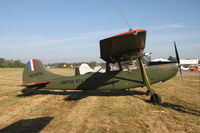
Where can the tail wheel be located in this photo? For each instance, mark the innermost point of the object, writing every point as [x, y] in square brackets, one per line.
[28, 91]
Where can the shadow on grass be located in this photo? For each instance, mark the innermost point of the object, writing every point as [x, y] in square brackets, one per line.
[179, 108]
[27, 125]
[77, 95]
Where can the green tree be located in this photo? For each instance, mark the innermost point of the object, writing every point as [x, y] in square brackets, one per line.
[2, 62]
[172, 58]
[10, 63]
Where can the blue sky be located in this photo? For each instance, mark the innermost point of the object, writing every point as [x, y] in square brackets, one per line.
[70, 30]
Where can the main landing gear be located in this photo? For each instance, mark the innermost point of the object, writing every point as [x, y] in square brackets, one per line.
[154, 98]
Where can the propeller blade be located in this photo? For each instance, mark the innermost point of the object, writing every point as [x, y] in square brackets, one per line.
[177, 56]
[178, 60]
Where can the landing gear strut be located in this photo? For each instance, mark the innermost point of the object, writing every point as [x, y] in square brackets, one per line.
[155, 98]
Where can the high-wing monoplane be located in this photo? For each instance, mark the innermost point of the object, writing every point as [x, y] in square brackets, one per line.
[131, 69]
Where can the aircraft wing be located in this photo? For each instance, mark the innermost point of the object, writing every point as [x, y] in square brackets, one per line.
[125, 44]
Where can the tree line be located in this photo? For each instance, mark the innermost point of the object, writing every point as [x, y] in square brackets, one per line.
[11, 63]
[92, 64]
[5, 63]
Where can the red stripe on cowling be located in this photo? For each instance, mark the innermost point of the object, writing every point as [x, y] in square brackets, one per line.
[166, 66]
[34, 64]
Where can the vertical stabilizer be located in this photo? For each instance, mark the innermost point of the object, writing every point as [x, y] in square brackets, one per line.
[36, 73]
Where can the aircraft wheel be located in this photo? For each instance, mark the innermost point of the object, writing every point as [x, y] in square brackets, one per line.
[155, 98]
[148, 92]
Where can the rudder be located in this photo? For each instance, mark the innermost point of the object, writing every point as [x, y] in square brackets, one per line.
[36, 73]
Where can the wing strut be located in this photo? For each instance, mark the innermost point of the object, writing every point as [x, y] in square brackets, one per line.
[154, 97]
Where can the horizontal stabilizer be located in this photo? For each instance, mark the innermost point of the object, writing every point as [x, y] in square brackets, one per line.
[36, 83]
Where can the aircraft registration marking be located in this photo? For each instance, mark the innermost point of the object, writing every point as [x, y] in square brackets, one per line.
[72, 81]
[35, 74]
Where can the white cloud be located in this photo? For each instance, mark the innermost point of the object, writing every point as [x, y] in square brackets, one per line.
[160, 37]
[158, 42]
[33, 42]
[20, 38]
[167, 26]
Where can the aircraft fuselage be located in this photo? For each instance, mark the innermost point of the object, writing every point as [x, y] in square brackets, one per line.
[114, 79]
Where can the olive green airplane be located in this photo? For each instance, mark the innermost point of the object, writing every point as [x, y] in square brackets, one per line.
[124, 51]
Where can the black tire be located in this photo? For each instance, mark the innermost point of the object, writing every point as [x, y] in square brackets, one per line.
[155, 98]
[148, 92]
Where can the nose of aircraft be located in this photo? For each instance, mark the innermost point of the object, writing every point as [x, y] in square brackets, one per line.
[168, 71]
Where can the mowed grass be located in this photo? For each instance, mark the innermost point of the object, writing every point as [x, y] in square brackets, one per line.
[99, 111]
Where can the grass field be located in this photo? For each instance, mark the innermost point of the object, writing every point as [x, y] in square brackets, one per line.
[99, 112]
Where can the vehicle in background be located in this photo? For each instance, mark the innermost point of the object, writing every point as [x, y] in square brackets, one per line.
[193, 68]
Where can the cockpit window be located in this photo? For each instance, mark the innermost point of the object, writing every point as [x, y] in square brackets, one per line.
[146, 59]
[114, 66]
[128, 65]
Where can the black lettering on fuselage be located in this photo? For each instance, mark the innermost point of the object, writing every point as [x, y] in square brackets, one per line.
[35, 74]
[77, 81]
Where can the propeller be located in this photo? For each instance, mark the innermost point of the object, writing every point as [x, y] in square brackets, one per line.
[178, 60]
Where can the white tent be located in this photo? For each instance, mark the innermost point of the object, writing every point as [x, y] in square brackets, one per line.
[83, 69]
[160, 60]
[189, 62]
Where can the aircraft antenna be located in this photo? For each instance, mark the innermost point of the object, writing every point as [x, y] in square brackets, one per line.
[199, 78]
[122, 14]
